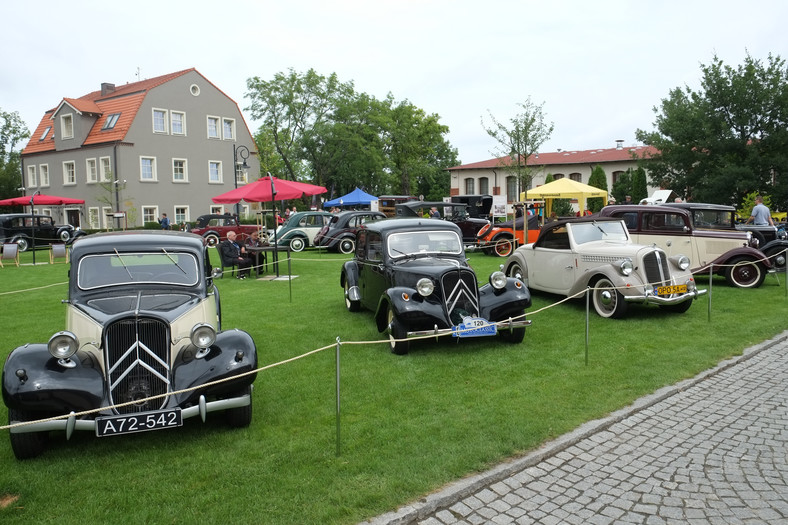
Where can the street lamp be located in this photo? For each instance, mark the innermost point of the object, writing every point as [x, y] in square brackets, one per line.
[33, 224]
[243, 153]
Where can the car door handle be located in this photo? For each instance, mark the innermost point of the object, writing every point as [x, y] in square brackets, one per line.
[568, 267]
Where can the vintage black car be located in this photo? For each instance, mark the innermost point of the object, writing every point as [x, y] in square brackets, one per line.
[413, 274]
[142, 346]
[340, 232]
[24, 229]
[455, 212]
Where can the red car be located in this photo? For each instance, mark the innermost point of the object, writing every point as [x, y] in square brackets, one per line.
[214, 228]
[498, 238]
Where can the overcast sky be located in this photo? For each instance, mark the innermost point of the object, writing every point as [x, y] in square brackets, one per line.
[599, 67]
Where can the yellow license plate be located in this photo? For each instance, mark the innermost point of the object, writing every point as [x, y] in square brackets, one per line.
[670, 290]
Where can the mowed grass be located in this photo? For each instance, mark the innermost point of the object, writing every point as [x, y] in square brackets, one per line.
[409, 424]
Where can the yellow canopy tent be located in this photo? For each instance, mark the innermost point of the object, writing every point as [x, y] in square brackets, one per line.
[563, 189]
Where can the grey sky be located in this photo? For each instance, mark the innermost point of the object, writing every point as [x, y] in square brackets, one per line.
[598, 66]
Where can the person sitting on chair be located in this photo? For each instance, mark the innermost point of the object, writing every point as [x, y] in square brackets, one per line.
[234, 255]
[253, 241]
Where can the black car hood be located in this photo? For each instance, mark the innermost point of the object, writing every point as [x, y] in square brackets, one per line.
[167, 305]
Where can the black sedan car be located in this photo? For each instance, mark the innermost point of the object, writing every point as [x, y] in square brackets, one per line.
[414, 275]
[340, 232]
[143, 347]
[24, 228]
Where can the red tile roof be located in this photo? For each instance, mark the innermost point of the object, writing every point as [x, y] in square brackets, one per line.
[592, 156]
[125, 99]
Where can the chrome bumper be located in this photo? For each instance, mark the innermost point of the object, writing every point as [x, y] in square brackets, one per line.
[437, 332]
[650, 298]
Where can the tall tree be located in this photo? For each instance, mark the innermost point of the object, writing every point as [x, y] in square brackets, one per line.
[519, 139]
[726, 139]
[623, 186]
[598, 179]
[639, 185]
[12, 132]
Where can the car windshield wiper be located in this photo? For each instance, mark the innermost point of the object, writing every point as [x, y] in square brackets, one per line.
[173, 261]
[124, 264]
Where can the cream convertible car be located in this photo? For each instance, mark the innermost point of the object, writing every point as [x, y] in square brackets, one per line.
[571, 255]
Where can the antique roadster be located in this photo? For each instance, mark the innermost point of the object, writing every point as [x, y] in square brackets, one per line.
[143, 347]
[413, 274]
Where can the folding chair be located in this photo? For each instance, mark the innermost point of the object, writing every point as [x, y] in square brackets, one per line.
[58, 251]
[10, 253]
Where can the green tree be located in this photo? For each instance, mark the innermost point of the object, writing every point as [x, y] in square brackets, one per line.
[598, 179]
[623, 186]
[726, 139]
[639, 185]
[520, 139]
[12, 132]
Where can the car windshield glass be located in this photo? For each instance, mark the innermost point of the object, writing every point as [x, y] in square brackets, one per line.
[598, 231]
[118, 269]
[713, 219]
[414, 243]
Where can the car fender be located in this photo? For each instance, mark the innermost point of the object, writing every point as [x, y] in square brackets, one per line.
[413, 311]
[350, 274]
[610, 273]
[232, 355]
[720, 262]
[519, 258]
[777, 243]
[509, 301]
[29, 383]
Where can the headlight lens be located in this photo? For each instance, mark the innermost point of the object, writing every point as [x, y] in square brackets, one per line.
[498, 280]
[203, 336]
[63, 345]
[425, 287]
[625, 267]
[683, 262]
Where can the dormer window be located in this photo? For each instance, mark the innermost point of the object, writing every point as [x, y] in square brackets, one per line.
[45, 133]
[67, 126]
[111, 121]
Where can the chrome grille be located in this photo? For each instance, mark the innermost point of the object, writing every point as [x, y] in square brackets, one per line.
[460, 294]
[137, 357]
[656, 265]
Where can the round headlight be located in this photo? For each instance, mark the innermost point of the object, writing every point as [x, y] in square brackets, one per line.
[625, 267]
[203, 336]
[498, 280]
[683, 262]
[425, 287]
[63, 345]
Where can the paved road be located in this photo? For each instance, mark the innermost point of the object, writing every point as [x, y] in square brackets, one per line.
[713, 449]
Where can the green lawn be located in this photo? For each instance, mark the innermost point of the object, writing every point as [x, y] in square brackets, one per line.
[409, 424]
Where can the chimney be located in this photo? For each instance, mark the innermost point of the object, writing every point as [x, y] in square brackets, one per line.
[107, 88]
[620, 144]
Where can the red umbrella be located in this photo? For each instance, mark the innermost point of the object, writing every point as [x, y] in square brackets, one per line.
[40, 199]
[267, 189]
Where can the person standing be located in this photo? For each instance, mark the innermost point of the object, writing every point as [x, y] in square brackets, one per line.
[760, 215]
[434, 213]
[164, 221]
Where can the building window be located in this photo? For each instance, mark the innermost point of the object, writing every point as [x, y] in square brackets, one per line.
[31, 177]
[106, 212]
[45, 133]
[159, 121]
[148, 168]
[240, 176]
[43, 171]
[110, 122]
[469, 184]
[178, 123]
[181, 216]
[69, 173]
[214, 171]
[150, 214]
[228, 126]
[67, 126]
[194, 89]
[216, 209]
[484, 186]
[179, 173]
[93, 218]
[511, 189]
[616, 175]
[213, 127]
[575, 177]
[558, 176]
[92, 171]
[106, 171]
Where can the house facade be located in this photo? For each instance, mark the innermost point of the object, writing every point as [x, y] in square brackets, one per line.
[494, 177]
[133, 152]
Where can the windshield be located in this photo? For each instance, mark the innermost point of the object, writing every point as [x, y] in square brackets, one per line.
[599, 231]
[414, 243]
[118, 269]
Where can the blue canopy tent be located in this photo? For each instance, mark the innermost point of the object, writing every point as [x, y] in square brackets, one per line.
[357, 197]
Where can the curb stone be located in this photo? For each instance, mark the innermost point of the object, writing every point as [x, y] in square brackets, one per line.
[458, 490]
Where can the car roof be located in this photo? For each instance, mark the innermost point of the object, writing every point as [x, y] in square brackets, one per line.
[410, 224]
[699, 206]
[642, 208]
[136, 240]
